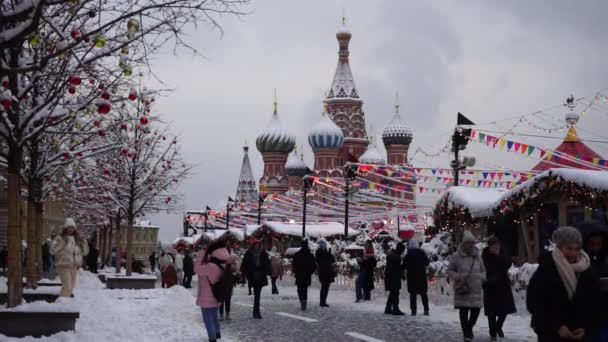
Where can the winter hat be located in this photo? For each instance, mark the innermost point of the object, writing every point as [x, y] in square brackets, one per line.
[304, 244]
[400, 247]
[467, 236]
[322, 244]
[413, 244]
[69, 222]
[566, 235]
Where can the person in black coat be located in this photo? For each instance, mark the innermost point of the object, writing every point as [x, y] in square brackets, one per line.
[415, 264]
[365, 280]
[152, 260]
[188, 270]
[92, 258]
[303, 266]
[256, 267]
[594, 243]
[325, 270]
[562, 292]
[497, 294]
[393, 276]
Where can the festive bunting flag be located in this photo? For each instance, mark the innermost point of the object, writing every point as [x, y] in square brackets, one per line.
[482, 137]
[509, 145]
[485, 175]
[517, 145]
[524, 148]
[530, 149]
[501, 143]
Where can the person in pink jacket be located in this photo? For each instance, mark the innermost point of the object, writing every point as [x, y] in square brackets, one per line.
[209, 272]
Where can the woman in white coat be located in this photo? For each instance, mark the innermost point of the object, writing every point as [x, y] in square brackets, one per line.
[69, 249]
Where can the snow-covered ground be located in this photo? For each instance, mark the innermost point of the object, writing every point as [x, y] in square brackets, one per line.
[170, 315]
[127, 315]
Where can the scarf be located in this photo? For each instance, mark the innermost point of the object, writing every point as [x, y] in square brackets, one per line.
[567, 271]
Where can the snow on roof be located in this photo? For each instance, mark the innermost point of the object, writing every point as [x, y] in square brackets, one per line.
[479, 201]
[590, 178]
[325, 134]
[319, 230]
[372, 156]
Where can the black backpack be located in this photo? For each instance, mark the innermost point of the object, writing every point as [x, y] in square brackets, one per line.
[221, 289]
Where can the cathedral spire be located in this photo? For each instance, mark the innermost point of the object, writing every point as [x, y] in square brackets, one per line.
[343, 84]
[246, 191]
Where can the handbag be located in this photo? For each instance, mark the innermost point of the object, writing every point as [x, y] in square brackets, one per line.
[462, 287]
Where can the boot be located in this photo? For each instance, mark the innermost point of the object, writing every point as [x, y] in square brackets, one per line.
[227, 316]
[221, 317]
[219, 336]
[426, 313]
[303, 304]
[257, 315]
[388, 310]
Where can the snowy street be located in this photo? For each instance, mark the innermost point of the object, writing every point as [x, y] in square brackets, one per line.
[346, 320]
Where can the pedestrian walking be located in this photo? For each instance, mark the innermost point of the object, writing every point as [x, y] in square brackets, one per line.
[303, 266]
[92, 258]
[365, 280]
[467, 273]
[276, 266]
[169, 271]
[225, 305]
[178, 260]
[393, 276]
[256, 267]
[325, 270]
[563, 292]
[497, 294]
[152, 260]
[210, 267]
[46, 256]
[69, 249]
[415, 265]
[188, 270]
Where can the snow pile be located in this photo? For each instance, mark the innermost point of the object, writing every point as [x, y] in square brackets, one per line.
[479, 201]
[168, 315]
[438, 246]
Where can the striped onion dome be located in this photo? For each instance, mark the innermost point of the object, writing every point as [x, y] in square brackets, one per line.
[397, 132]
[325, 134]
[275, 138]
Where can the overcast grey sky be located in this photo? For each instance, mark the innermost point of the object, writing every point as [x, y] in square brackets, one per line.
[491, 60]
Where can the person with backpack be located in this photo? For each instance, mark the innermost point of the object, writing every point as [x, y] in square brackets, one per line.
[213, 270]
[326, 263]
[256, 267]
[304, 265]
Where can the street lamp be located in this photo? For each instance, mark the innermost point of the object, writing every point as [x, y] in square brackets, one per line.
[228, 208]
[460, 139]
[307, 184]
[261, 199]
[349, 174]
[206, 214]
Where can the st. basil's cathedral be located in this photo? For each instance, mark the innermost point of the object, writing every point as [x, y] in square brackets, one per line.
[337, 138]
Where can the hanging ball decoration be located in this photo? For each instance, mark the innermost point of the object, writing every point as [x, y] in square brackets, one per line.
[105, 95]
[34, 40]
[92, 13]
[75, 34]
[133, 25]
[100, 41]
[103, 108]
[143, 120]
[72, 90]
[133, 95]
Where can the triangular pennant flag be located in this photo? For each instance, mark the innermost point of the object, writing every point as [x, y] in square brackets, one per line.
[468, 181]
[463, 120]
[524, 148]
[509, 145]
[473, 134]
[230, 200]
[489, 139]
[517, 145]
[500, 174]
[485, 175]
[492, 175]
[479, 182]
[482, 137]
[501, 143]
[530, 150]
[542, 154]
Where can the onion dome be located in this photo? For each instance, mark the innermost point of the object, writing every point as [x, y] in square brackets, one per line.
[397, 132]
[275, 138]
[372, 156]
[295, 166]
[325, 134]
[343, 30]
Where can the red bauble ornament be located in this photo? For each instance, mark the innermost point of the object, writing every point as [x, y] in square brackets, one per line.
[132, 96]
[75, 80]
[75, 34]
[92, 13]
[105, 95]
[97, 123]
[102, 86]
[103, 108]
[124, 151]
[123, 126]
[106, 172]
[143, 120]
[71, 90]
[102, 133]
[6, 103]
[66, 155]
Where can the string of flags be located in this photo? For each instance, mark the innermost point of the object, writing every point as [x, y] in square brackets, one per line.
[531, 150]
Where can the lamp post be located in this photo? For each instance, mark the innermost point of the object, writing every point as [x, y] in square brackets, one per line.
[206, 214]
[228, 208]
[349, 174]
[261, 199]
[307, 184]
